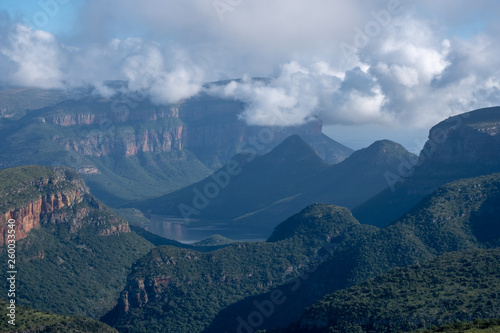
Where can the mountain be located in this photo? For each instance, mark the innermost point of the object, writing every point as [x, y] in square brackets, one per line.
[28, 320]
[181, 290]
[317, 252]
[467, 145]
[16, 103]
[215, 240]
[253, 191]
[73, 253]
[127, 148]
[459, 216]
[459, 286]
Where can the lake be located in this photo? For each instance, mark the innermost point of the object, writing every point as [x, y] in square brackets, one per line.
[195, 230]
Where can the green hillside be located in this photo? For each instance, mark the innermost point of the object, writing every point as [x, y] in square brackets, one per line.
[28, 320]
[182, 290]
[463, 146]
[76, 258]
[456, 217]
[456, 286]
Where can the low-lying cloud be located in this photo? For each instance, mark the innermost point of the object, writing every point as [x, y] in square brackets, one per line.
[411, 70]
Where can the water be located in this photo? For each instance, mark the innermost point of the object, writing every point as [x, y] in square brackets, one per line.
[177, 229]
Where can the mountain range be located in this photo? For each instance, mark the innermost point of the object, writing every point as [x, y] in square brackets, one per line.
[128, 148]
[419, 251]
[258, 191]
[457, 217]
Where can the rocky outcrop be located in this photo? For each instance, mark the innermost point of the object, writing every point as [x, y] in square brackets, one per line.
[466, 145]
[139, 292]
[28, 217]
[97, 143]
[42, 201]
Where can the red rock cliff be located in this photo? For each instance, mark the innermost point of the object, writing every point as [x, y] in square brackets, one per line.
[47, 197]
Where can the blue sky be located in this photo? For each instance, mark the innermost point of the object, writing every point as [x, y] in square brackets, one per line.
[367, 70]
[59, 19]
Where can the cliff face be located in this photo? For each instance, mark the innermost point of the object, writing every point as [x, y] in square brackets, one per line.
[41, 201]
[463, 146]
[98, 143]
[210, 127]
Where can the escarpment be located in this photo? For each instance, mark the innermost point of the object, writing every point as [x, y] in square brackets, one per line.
[39, 196]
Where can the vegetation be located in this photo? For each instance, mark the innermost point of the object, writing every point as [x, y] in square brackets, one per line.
[133, 216]
[191, 287]
[120, 178]
[76, 263]
[16, 103]
[30, 321]
[19, 186]
[459, 216]
[476, 326]
[456, 286]
[459, 147]
[215, 240]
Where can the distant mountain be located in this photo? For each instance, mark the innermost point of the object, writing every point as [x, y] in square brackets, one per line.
[15, 103]
[459, 286]
[127, 148]
[467, 145]
[73, 252]
[265, 189]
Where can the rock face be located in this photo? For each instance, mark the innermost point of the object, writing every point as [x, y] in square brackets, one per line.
[74, 252]
[464, 146]
[131, 149]
[154, 141]
[40, 200]
[469, 140]
[210, 127]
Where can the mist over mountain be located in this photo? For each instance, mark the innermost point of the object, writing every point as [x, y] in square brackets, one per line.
[128, 148]
[187, 166]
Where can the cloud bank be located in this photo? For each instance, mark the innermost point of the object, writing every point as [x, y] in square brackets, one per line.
[390, 62]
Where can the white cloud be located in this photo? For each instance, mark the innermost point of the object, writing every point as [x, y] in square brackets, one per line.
[418, 69]
[37, 55]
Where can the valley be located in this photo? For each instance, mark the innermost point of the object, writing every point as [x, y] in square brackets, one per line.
[263, 166]
[259, 238]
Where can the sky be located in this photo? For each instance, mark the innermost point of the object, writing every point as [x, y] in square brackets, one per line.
[378, 69]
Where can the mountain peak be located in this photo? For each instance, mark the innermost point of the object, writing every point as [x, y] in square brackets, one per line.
[317, 220]
[380, 153]
[293, 148]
